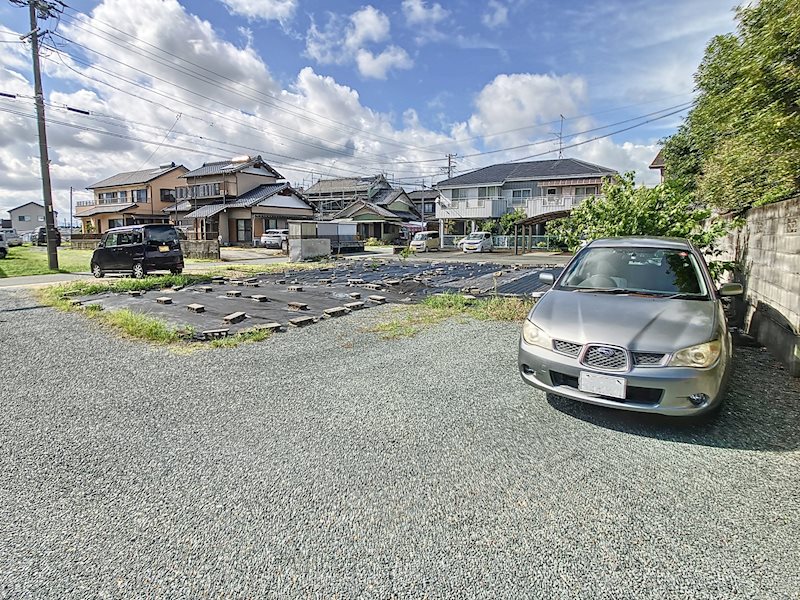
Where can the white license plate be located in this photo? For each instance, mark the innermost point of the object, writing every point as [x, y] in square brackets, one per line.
[164, 248]
[604, 385]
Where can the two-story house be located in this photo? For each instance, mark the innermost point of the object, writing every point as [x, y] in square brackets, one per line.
[425, 202]
[236, 201]
[536, 187]
[130, 198]
[331, 196]
[27, 217]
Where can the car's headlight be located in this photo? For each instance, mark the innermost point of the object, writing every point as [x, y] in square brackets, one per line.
[535, 336]
[700, 356]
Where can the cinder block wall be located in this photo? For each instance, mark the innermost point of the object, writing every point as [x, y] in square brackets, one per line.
[767, 249]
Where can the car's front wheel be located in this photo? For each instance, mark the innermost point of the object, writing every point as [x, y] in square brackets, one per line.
[3, 252]
[97, 271]
[138, 271]
[176, 271]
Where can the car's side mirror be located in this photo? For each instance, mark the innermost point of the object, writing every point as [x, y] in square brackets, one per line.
[731, 289]
[548, 278]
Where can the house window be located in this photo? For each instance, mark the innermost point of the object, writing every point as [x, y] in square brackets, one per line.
[40, 218]
[429, 208]
[244, 232]
[115, 223]
[272, 223]
[588, 190]
[487, 192]
[167, 195]
[139, 196]
[552, 191]
[24, 218]
[519, 197]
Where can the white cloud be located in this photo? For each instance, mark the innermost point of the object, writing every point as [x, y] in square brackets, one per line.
[523, 100]
[376, 66]
[264, 10]
[418, 13]
[345, 40]
[496, 16]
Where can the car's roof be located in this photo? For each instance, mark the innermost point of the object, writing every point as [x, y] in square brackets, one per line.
[643, 241]
[140, 226]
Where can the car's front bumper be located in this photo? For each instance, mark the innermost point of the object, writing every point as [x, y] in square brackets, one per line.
[661, 390]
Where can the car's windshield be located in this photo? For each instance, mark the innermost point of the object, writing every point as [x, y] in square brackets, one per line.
[476, 235]
[657, 271]
[161, 234]
[418, 237]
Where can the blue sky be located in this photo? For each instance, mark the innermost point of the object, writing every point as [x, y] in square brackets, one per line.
[335, 89]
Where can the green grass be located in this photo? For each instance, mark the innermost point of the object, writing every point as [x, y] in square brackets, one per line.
[141, 326]
[32, 260]
[410, 320]
[246, 336]
[235, 270]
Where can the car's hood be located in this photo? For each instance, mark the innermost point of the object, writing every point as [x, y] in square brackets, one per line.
[635, 322]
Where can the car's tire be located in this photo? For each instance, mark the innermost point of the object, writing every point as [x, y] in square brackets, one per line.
[2, 253]
[138, 271]
[176, 271]
[97, 271]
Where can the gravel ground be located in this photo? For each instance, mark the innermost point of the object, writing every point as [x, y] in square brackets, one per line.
[326, 462]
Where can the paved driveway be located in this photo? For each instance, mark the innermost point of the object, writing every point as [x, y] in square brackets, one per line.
[328, 463]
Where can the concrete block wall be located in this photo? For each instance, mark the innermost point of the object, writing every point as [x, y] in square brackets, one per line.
[305, 249]
[767, 249]
[200, 249]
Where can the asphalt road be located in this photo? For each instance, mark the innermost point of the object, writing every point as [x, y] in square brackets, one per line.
[326, 463]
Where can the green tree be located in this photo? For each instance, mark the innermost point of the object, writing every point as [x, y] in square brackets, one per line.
[507, 221]
[624, 209]
[740, 144]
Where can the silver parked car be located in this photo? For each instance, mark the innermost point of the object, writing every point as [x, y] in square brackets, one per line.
[632, 323]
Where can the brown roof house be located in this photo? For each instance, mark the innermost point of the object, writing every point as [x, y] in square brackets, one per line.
[130, 198]
[236, 200]
[658, 163]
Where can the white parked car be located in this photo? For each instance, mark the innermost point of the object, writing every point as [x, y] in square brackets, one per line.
[11, 237]
[477, 241]
[276, 238]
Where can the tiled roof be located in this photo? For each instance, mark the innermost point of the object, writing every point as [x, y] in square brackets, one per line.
[387, 196]
[539, 169]
[229, 166]
[266, 195]
[375, 208]
[424, 195]
[343, 185]
[102, 209]
[658, 161]
[134, 177]
[209, 210]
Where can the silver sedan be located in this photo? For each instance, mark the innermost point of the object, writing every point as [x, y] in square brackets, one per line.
[632, 323]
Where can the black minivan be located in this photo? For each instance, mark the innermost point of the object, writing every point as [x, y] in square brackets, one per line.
[138, 249]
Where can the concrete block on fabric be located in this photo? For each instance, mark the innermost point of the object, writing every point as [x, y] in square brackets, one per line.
[234, 318]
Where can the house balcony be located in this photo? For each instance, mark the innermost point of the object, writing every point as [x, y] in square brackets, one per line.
[204, 191]
[473, 208]
[541, 205]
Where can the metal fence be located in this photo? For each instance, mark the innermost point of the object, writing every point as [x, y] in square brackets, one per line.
[504, 241]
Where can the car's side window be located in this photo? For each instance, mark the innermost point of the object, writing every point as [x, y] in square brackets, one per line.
[136, 237]
[111, 240]
[123, 239]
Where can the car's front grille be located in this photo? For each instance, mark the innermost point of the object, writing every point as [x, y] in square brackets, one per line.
[606, 357]
[568, 348]
[639, 395]
[648, 359]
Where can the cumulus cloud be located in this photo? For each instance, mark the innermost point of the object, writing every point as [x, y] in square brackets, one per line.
[418, 13]
[496, 15]
[345, 40]
[263, 10]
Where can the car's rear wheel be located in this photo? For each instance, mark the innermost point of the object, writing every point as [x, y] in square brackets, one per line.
[176, 271]
[97, 271]
[138, 271]
[2, 252]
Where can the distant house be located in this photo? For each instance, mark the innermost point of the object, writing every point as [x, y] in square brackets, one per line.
[425, 202]
[538, 188]
[331, 196]
[658, 163]
[27, 217]
[130, 198]
[384, 216]
[236, 201]
[6, 224]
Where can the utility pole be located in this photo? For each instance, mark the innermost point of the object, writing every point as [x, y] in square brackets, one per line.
[561, 136]
[70, 212]
[450, 158]
[46, 9]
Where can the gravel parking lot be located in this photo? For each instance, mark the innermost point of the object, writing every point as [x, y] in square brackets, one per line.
[326, 462]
